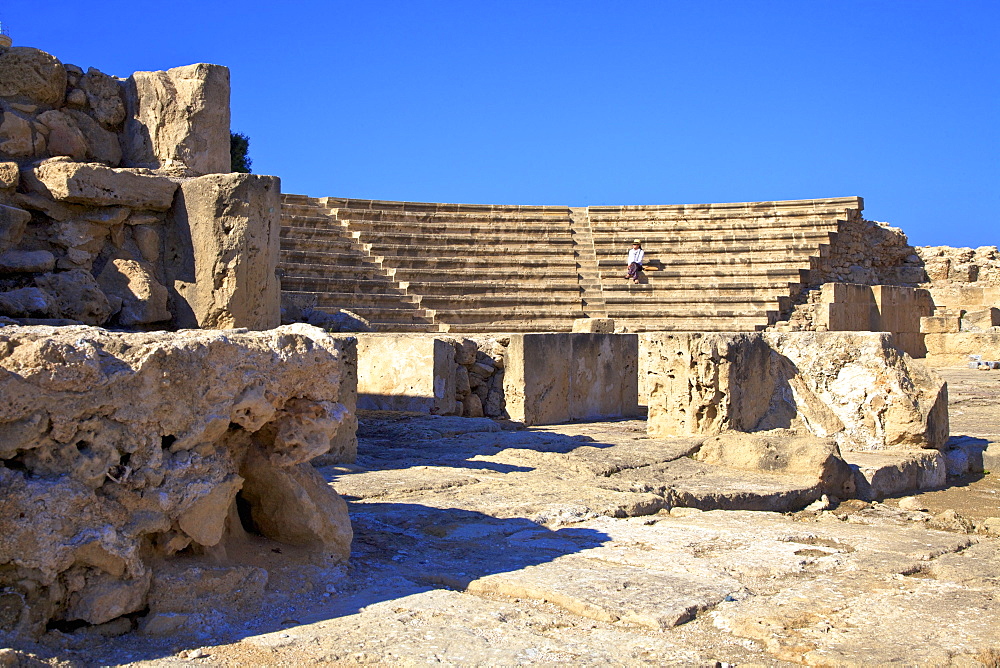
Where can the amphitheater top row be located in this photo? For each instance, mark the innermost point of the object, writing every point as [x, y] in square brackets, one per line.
[782, 207]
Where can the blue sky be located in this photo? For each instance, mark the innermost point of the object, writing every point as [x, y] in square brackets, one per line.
[579, 102]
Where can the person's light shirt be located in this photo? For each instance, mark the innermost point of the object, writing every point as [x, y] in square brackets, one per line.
[636, 255]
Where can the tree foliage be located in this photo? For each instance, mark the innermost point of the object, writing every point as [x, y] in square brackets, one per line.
[239, 152]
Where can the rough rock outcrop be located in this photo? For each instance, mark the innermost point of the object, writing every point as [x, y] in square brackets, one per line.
[224, 250]
[854, 387]
[119, 450]
[179, 120]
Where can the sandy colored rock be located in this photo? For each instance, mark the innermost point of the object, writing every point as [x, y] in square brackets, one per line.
[143, 298]
[12, 225]
[17, 139]
[178, 120]
[852, 386]
[64, 137]
[223, 252]
[104, 96]
[97, 185]
[782, 452]
[30, 74]
[76, 295]
[10, 174]
[294, 505]
[102, 145]
[132, 440]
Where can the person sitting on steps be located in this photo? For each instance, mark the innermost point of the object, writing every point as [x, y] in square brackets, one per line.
[634, 262]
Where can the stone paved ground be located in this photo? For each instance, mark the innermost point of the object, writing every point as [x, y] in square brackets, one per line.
[556, 545]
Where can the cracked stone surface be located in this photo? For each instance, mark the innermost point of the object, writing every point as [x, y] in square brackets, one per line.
[557, 545]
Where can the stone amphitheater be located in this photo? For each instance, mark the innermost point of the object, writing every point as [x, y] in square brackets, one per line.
[411, 266]
[245, 427]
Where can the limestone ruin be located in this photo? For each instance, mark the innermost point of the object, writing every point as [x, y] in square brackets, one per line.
[173, 408]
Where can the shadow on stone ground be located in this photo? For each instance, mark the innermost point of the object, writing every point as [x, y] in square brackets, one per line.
[555, 545]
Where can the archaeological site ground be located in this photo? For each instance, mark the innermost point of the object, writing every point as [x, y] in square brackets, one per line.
[246, 427]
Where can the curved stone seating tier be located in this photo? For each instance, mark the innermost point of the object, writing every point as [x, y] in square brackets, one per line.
[467, 267]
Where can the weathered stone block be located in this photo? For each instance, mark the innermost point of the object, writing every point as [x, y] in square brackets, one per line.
[12, 225]
[785, 453]
[594, 325]
[178, 120]
[882, 474]
[10, 174]
[940, 324]
[77, 296]
[981, 319]
[223, 251]
[143, 298]
[97, 185]
[552, 378]
[406, 372]
[954, 349]
[30, 74]
[854, 387]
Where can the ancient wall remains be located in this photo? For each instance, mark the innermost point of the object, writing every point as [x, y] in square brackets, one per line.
[869, 253]
[115, 201]
[435, 374]
[553, 378]
[853, 387]
[964, 284]
[122, 453]
[529, 378]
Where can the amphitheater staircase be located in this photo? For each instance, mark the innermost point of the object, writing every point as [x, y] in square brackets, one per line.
[713, 267]
[474, 267]
[588, 274]
[324, 265]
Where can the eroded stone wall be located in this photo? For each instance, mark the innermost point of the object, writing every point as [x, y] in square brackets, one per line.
[111, 207]
[120, 453]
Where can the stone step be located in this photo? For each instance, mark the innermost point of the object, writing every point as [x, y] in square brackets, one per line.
[707, 310]
[380, 314]
[474, 227]
[499, 314]
[328, 259]
[388, 250]
[730, 254]
[552, 240]
[518, 300]
[354, 284]
[470, 287]
[358, 269]
[510, 275]
[299, 233]
[699, 275]
[439, 207]
[690, 324]
[488, 263]
[637, 300]
[321, 245]
[655, 240]
[509, 326]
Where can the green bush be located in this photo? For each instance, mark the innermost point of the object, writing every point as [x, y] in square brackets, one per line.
[239, 152]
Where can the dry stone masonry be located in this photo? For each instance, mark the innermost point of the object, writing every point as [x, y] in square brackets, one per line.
[115, 201]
